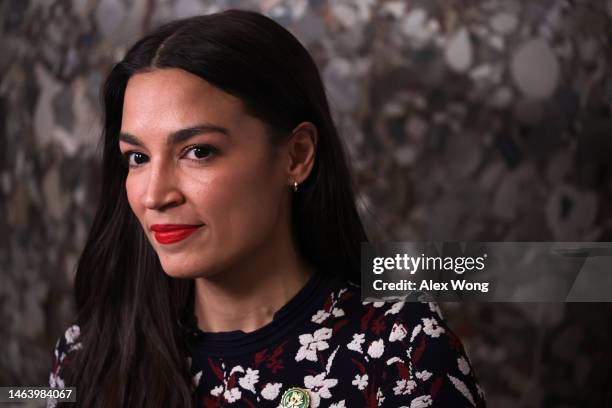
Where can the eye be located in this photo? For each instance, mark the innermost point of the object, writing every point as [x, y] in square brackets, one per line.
[200, 152]
[138, 157]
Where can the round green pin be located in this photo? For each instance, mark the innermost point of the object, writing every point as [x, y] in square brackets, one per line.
[295, 397]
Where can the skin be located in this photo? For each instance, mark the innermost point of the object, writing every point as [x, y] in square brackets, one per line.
[244, 259]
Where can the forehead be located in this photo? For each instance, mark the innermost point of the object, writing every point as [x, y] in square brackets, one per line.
[168, 98]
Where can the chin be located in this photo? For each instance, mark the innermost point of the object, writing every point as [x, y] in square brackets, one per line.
[183, 272]
[180, 273]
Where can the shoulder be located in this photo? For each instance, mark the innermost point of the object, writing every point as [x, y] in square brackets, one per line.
[426, 360]
[63, 353]
[344, 304]
[379, 325]
[416, 356]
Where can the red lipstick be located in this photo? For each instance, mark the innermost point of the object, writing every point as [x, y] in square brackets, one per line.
[170, 233]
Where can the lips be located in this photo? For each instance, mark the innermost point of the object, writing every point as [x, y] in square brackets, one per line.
[170, 233]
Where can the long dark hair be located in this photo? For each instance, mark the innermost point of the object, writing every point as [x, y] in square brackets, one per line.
[132, 352]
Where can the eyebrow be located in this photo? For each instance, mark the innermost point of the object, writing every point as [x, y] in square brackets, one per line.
[178, 136]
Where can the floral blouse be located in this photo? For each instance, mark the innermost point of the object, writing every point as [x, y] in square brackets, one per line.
[325, 348]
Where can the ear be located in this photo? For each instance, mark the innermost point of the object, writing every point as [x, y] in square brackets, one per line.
[301, 148]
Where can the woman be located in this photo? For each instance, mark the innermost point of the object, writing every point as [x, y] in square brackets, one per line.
[222, 265]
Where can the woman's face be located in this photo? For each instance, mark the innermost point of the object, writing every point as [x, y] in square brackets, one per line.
[198, 161]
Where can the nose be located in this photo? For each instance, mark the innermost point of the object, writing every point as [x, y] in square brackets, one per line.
[162, 189]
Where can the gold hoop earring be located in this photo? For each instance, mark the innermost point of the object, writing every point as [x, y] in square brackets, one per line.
[295, 184]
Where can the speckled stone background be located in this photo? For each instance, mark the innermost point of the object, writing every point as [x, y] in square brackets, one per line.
[464, 119]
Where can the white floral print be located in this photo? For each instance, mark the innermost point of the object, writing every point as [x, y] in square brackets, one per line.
[380, 397]
[422, 401]
[72, 334]
[232, 394]
[398, 332]
[376, 348]
[330, 360]
[249, 380]
[423, 375]
[320, 316]
[395, 309]
[415, 332]
[431, 327]
[360, 381]
[463, 365]
[462, 388]
[355, 344]
[404, 387]
[319, 387]
[270, 391]
[311, 343]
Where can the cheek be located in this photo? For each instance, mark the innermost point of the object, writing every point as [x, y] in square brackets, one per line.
[243, 204]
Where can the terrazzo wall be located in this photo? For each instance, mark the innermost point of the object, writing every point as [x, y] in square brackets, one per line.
[464, 119]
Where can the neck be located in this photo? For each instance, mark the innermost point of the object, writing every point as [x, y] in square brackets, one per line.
[247, 296]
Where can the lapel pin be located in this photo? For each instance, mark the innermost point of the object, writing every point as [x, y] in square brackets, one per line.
[295, 397]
